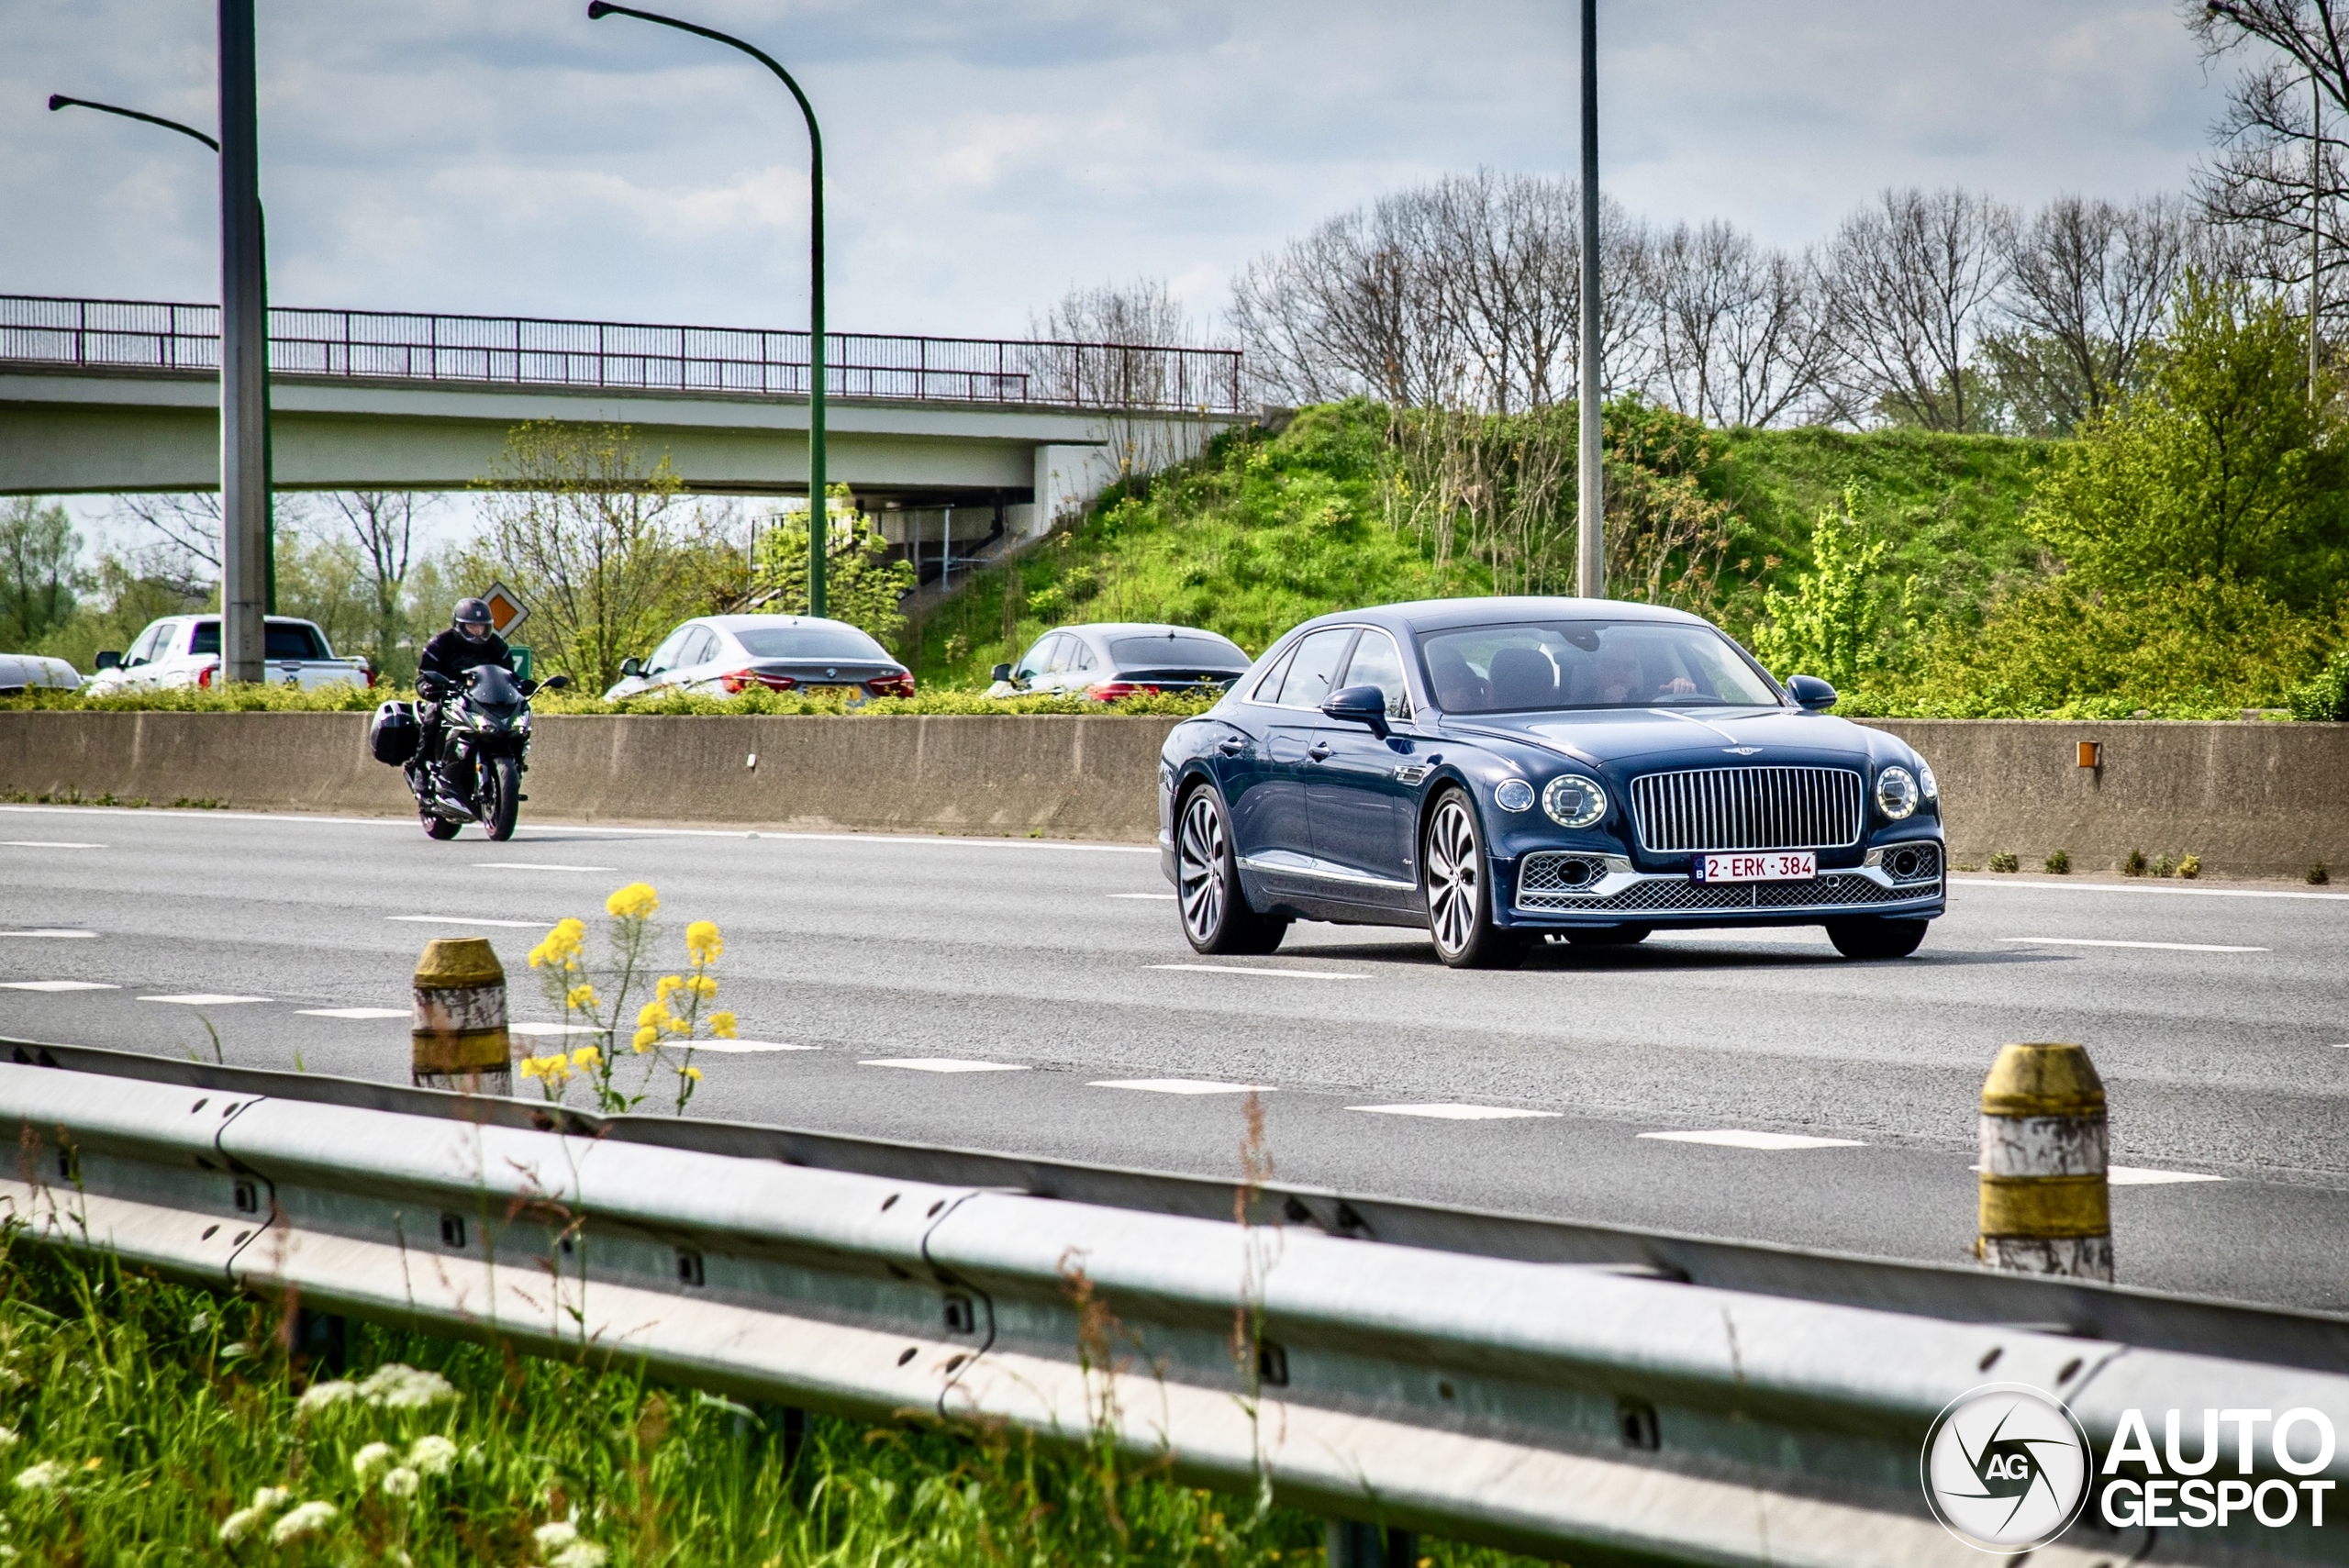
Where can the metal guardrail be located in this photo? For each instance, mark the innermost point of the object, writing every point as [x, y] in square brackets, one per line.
[529, 351]
[1607, 1408]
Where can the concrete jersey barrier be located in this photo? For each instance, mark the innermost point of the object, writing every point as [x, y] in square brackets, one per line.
[2250, 799]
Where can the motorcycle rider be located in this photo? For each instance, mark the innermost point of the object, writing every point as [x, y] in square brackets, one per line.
[468, 644]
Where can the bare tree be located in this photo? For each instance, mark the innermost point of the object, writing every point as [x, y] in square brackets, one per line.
[2087, 284]
[1346, 310]
[1909, 282]
[383, 523]
[1741, 332]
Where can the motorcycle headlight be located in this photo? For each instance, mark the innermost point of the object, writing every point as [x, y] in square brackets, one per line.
[1574, 801]
[1896, 793]
[1513, 794]
[1926, 781]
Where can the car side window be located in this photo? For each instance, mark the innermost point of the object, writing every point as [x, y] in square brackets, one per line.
[144, 648]
[1039, 659]
[1377, 663]
[1268, 684]
[1080, 656]
[664, 658]
[700, 647]
[1313, 670]
[1063, 656]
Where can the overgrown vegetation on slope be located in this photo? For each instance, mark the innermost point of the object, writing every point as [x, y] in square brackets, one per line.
[142, 1422]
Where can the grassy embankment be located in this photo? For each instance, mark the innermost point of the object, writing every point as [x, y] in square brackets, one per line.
[146, 1423]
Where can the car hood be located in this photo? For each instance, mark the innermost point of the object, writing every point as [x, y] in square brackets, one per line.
[1709, 735]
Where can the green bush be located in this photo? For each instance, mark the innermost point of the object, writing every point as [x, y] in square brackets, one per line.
[2323, 697]
[343, 698]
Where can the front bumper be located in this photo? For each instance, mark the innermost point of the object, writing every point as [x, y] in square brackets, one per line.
[1619, 895]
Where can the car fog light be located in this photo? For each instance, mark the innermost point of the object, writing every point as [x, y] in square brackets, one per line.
[1896, 793]
[1574, 801]
[1514, 795]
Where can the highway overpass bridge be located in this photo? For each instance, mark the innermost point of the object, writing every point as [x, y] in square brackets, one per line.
[113, 395]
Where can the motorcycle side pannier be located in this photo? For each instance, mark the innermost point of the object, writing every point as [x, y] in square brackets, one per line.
[393, 734]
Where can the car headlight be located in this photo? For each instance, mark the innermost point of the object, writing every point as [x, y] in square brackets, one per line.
[1513, 794]
[1925, 780]
[1896, 793]
[1574, 801]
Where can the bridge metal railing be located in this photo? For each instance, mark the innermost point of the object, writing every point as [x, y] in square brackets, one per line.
[1570, 1391]
[383, 345]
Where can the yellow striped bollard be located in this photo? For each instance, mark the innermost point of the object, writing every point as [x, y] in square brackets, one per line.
[459, 1040]
[2045, 1205]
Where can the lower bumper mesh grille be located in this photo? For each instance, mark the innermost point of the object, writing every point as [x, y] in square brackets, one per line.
[1833, 891]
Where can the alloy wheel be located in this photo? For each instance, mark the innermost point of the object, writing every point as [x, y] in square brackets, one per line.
[1198, 868]
[1454, 864]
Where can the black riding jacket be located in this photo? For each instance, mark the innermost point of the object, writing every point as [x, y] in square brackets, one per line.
[451, 653]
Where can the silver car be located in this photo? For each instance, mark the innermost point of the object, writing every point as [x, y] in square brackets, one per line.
[1110, 660]
[727, 655]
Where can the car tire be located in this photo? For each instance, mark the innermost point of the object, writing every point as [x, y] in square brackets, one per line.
[1213, 905]
[1610, 935]
[1875, 937]
[1456, 880]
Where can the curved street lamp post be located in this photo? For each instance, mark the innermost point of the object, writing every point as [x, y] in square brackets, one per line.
[817, 504]
[269, 479]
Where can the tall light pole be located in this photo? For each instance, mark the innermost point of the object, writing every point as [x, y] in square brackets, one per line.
[244, 360]
[1590, 513]
[818, 504]
[269, 476]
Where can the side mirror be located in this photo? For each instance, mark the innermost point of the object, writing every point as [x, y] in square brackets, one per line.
[557, 683]
[630, 669]
[1812, 693]
[1002, 673]
[1359, 704]
[110, 660]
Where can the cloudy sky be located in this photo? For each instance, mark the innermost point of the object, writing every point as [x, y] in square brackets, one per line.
[987, 154]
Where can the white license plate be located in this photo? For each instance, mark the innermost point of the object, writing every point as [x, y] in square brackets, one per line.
[1775, 866]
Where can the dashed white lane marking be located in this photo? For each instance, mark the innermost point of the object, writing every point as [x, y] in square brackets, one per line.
[533, 865]
[2140, 1177]
[1154, 898]
[56, 985]
[1446, 1112]
[353, 1012]
[1243, 969]
[2037, 886]
[942, 1064]
[2102, 942]
[56, 933]
[1180, 1086]
[1737, 1138]
[551, 1028]
[749, 1046]
[46, 844]
[469, 920]
[207, 999]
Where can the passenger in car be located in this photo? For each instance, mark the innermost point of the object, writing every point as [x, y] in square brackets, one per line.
[1457, 685]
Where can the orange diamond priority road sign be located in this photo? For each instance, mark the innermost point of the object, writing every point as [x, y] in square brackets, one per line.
[505, 611]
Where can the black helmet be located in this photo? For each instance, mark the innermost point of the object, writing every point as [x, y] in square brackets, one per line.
[474, 610]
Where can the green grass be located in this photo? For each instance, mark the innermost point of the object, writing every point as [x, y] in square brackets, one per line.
[142, 1418]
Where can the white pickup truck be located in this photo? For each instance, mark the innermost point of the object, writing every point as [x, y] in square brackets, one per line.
[184, 650]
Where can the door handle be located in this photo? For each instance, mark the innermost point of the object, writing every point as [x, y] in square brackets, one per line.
[1319, 750]
[1231, 748]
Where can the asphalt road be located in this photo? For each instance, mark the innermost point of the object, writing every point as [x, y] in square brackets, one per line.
[1033, 997]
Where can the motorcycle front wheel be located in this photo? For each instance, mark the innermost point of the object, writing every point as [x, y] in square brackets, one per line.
[439, 828]
[501, 795]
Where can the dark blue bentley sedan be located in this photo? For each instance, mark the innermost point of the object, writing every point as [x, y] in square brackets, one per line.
[1503, 770]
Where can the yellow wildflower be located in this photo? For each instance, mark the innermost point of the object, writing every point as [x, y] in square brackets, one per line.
[693, 1072]
[636, 901]
[703, 944]
[560, 945]
[581, 1000]
[587, 1059]
[551, 1070]
[702, 986]
[722, 1025]
[646, 1038]
[650, 1015]
[667, 986]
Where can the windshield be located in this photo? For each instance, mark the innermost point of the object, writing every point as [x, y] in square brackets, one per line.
[489, 685]
[1589, 663]
[1190, 649]
[807, 642]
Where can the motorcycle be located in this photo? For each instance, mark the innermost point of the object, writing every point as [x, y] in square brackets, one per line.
[482, 752]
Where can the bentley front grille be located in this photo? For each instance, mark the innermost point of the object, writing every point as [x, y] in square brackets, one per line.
[1713, 809]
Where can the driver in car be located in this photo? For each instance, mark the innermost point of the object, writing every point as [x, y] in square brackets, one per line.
[1621, 681]
[467, 645]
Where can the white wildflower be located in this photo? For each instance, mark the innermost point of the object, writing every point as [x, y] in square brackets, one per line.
[234, 1348]
[8, 1438]
[433, 1454]
[40, 1477]
[199, 1325]
[268, 1499]
[238, 1525]
[398, 1387]
[580, 1555]
[327, 1396]
[369, 1460]
[401, 1481]
[7, 1554]
[552, 1537]
[310, 1519]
